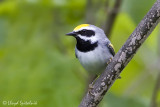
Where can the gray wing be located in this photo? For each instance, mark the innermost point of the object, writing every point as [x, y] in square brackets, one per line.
[107, 43]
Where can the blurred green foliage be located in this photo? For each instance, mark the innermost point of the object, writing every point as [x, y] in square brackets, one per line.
[37, 61]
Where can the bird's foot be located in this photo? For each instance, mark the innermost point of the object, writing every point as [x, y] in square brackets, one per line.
[110, 59]
[90, 88]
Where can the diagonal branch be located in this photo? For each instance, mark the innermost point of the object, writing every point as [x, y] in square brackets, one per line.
[122, 58]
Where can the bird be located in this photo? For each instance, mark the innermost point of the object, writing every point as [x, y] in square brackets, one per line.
[93, 48]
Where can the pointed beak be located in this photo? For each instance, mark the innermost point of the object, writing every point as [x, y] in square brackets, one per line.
[71, 33]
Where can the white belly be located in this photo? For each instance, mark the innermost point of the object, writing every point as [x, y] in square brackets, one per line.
[94, 61]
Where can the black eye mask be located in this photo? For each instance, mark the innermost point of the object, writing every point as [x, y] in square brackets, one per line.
[87, 33]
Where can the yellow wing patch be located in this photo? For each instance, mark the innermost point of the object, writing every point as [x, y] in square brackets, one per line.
[111, 49]
[80, 26]
[111, 45]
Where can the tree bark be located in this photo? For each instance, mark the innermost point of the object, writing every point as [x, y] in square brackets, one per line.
[122, 58]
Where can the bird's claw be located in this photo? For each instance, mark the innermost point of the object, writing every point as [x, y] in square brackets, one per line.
[110, 59]
[90, 88]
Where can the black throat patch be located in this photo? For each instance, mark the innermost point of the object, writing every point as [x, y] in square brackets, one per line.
[85, 46]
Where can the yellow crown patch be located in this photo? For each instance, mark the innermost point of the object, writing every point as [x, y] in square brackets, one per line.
[80, 26]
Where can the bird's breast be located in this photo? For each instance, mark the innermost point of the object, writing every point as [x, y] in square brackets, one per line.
[95, 60]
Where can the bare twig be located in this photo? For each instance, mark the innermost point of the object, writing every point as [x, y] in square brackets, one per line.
[92, 8]
[122, 58]
[111, 17]
[89, 12]
[155, 92]
[157, 85]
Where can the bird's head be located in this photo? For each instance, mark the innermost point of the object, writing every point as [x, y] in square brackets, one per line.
[87, 32]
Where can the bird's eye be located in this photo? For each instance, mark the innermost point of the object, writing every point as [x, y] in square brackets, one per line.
[84, 32]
